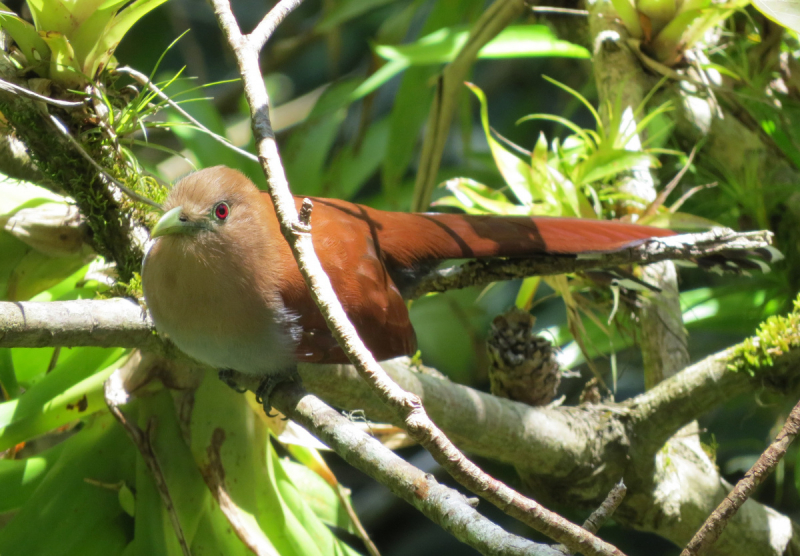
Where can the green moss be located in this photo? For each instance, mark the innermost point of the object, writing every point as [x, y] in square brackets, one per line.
[132, 288]
[108, 218]
[776, 336]
[711, 448]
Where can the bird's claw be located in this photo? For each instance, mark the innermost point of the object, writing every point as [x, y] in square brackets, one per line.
[226, 376]
[268, 384]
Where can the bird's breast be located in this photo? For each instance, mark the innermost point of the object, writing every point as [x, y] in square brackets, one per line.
[215, 313]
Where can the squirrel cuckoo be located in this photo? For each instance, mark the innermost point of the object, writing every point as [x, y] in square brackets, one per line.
[221, 281]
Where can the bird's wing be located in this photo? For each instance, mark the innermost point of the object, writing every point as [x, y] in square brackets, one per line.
[350, 255]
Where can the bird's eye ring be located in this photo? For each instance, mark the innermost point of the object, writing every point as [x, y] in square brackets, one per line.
[221, 211]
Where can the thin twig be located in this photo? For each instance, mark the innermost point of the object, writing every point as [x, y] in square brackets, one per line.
[685, 197]
[653, 207]
[144, 81]
[344, 498]
[22, 91]
[114, 394]
[603, 512]
[555, 10]
[407, 406]
[262, 33]
[129, 192]
[766, 464]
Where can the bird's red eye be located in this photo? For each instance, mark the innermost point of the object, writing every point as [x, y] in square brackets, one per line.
[222, 211]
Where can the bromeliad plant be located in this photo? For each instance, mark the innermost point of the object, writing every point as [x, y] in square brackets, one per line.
[575, 178]
[667, 28]
[71, 41]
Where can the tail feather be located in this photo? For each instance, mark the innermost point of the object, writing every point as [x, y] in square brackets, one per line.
[415, 238]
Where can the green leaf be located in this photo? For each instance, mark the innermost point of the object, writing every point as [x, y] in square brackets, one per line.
[92, 27]
[669, 43]
[371, 83]
[52, 15]
[321, 497]
[515, 41]
[475, 198]
[351, 168]
[37, 272]
[191, 498]
[8, 377]
[306, 153]
[680, 222]
[727, 309]
[27, 38]
[215, 536]
[112, 34]
[525, 41]
[73, 390]
[253, 476]
[629, 16]
[64, 68]
[611, 162]
[19, 478]
[346, 10]
[68, 508]
[784, 12]
[516, 173]
[409, 113]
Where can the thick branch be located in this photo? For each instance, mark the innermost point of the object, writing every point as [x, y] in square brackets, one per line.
[107, 323]
[661, 412]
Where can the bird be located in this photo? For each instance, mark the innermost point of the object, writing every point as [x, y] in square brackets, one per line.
[221, 282]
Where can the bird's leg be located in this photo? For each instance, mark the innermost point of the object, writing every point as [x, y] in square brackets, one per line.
[226, 376]
[268, 384]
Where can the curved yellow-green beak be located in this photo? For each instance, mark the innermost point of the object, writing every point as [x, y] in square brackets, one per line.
[170, 223]
[173, 222]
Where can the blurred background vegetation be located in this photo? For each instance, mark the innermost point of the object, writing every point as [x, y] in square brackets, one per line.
[351, 84]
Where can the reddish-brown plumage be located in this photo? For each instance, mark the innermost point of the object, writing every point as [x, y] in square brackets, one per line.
[363, 250]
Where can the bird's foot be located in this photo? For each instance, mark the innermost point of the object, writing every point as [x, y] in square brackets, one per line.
[268, 384]
[227, 376]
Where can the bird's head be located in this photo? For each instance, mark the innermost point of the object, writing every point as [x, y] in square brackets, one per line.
[211, 202]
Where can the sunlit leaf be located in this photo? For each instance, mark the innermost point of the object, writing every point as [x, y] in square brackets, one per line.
[345, 11]
[64, 67]
[515, 41]
[516, 173]
[784, 12]
[74, 527]
[108, 40]
[608, 163]
[27, 38]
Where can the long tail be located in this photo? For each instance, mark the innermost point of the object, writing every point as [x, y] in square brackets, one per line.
[415, 238]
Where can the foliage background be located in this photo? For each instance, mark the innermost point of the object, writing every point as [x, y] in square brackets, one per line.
[367, 151]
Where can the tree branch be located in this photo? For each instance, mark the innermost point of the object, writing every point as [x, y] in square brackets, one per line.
[444, 506]
[707, 248]
[267, 26]
[766, 464]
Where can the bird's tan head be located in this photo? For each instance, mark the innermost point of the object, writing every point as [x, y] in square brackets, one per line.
[214, 200]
